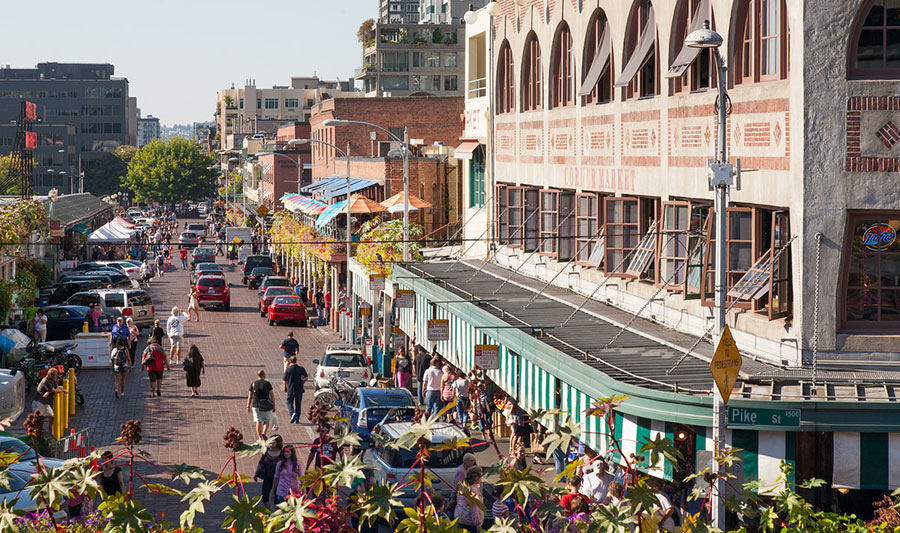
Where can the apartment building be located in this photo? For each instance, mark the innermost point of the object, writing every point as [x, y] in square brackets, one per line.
[446, 11]
[413, 59]
[253, 110]
[84, 95]
[398, 11]
[148, 129]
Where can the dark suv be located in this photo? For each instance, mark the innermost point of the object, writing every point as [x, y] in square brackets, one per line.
[252, 262]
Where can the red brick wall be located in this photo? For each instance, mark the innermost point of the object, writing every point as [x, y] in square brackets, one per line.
[279, 177]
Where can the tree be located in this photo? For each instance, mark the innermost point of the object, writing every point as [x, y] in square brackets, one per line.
[229, 101]
[171, 171]
[366, 31]
[106, 176]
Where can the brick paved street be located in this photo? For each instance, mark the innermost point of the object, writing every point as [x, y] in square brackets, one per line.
[178, 428]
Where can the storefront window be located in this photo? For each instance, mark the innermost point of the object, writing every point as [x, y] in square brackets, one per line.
[872, 272]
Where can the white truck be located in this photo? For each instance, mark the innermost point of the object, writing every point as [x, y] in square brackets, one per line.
[234, 233]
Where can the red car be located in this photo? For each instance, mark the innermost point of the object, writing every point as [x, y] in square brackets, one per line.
[287, 309]
[213, 290]
[266, 299]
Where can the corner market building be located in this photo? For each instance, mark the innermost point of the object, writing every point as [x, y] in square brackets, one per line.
[843, 427]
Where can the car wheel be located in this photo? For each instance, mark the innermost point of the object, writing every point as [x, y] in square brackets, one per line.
[271, 322]
[228, 306]
[262, 313]
[303, 323]
[73, 332]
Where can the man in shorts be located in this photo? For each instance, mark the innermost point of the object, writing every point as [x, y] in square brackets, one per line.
[154, 360]
[43, 396]
[261, 402]
[175, 331]
[289, 347]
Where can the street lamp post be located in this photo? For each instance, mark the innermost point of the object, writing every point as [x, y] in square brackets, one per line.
[721, 176]
[346, 154]
[405, 154]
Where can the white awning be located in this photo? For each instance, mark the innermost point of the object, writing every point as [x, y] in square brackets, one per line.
[687, 54]
[599, 64]
[465, 149]
[644, 45]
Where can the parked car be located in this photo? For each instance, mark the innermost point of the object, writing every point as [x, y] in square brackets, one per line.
[131, 270]
[270, 295]
[20, 473]
[213, 290]
[205, 269]
[345, 360]
[93, 265]
[64, 321]
[109, 278]
[367, 407]
[202, 210]
[203, 254]
[188, 238]
[395, 465]
[272, 281]
[253, 261]
[61, 292]
[134, 303]
[256, 276]
[198, 228]
[287, 309]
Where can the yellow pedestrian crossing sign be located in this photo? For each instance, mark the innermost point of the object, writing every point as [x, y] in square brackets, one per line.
[726, 364]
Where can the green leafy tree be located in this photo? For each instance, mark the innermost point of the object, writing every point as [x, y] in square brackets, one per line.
[171, 171]
[366, 32]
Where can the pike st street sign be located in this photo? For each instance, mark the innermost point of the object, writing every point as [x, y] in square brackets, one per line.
[760, 418]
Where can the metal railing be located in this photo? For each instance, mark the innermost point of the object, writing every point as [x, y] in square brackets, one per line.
[477, 87]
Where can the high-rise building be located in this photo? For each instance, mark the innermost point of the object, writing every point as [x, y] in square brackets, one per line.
[398, 11]
[407, 59]
[148, 129]
[83, 95]
[446, 11]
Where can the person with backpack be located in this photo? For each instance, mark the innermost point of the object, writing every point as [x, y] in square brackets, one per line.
[193, 367]
[121, 365]
[154, 360]
[261, 402]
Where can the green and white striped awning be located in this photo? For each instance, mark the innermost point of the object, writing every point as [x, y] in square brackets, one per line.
[866, 461]
[593, 428]
[537, 387]
[632, 433]
[763, 452]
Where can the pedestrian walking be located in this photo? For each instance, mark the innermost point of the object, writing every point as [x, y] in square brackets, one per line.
[261, 402]
[573, 488]
[193, 303]
[265, 468]
[326, 298]
[121, 365]
[146, 272]
[403, 369]
[596, 477]
[447, 379]
[94, 316]
[320, 306]
[461, 393]
[289, 347]
[193, 366]
[220, 243]
[134, 333]
[322, 453]
[119, 332]
[470, 516]
[157, 331]
[295, 377]
[110, 475]
[183, 255]
[287, 475]
[421, 364]
[40, 326]
[175, 331]
[468, 461]
[161, 265]
[432, 382]
[43, 395]
[154, 360]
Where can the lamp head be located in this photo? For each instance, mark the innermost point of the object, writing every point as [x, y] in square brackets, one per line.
[703, 38]
[335, 122]
[493, 8]
[471, 16]
[234, 160]
[299, 141]
[263, 153]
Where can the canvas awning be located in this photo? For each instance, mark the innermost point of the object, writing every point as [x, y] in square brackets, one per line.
[339, 188]
[330, 213]
[317, 186]
[599, 64]
[113, 231]
[465, 149]
[81, 228]
[866, 461]
[644, 45]
[687, 54]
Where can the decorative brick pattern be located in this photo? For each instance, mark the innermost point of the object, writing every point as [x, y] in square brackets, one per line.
[889, 134]
[855, 161]
[757, 134]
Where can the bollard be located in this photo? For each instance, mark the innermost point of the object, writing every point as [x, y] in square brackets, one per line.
[64, 408]
[71, 395]
[56, 417]
[85, 328]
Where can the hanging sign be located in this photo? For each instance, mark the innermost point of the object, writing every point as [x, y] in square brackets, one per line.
[376, 282]
[405, 299]
[365, 310]
[399, 342]
[438, 330]
[487, 356]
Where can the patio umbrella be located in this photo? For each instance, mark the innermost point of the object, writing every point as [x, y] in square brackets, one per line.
[394, 204]
[361, 204]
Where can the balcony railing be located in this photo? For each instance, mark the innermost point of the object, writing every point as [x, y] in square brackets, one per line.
[477, 87]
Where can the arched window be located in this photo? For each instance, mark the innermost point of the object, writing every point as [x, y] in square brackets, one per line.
[692, 69]
[875, 46]
[562, 69]
[641, 72]
[506, 86]
[761, 43]
[596, 88]
[531, 74]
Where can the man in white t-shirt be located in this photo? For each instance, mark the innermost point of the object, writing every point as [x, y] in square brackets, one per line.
[432, 382]
[175, 332]
[40, 326]
[595, 478]
[665, 510]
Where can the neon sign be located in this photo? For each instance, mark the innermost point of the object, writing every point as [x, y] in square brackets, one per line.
[879, 237]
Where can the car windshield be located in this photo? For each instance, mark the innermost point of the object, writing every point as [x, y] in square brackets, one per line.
[16, 447]
[203, 251]
[344, 359]
[277, 282]
[392, 399]
[17, 481]
[436, 459]
[286, 300]
[277, 291]
[80, 310]
[211, 282]
[188, 235]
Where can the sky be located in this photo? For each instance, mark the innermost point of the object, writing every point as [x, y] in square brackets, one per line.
[177, 53]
